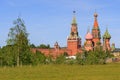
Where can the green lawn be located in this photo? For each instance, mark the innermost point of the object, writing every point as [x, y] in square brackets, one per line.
[62, 72]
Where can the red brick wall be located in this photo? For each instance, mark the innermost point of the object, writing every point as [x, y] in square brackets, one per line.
[53, 52]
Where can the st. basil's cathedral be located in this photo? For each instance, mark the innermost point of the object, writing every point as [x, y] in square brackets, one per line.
[74, 46]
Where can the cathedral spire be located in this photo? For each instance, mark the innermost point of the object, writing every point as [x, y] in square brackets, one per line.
[96, 32]
[74, 19]
[95, 20]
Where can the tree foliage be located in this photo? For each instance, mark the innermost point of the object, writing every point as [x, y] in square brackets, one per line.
[39, 58]
[97, 56]
[43, 46]
[18, 39]
[60, 59]
[18, 28]
[8, 56]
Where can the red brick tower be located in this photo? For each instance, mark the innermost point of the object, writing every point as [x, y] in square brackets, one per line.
[96, 32]
[57, 49]
[88, 45]
[106, 40]
[73, 41]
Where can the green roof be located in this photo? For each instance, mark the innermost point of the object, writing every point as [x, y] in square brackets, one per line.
[106, 35]
[74, 20]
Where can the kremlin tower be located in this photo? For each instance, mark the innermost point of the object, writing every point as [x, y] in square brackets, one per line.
[73, 41]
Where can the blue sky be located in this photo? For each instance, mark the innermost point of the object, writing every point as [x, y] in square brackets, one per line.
[48, 21]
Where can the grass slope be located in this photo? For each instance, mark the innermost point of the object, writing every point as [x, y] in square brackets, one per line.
[62, 72]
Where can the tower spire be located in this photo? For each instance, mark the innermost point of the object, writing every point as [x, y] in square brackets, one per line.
[95, 20]
[74, 22]
[96, 31]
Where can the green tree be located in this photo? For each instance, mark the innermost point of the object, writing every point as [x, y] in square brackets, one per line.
[32, 46]
[60, 59]
[1, 57]
[39, 58]
[8, 56]
[80, 58]
[18, 37]
[92, 57]
[43, 46]
[98, 56]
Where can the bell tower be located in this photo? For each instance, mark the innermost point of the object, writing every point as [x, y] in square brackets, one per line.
[73, 41]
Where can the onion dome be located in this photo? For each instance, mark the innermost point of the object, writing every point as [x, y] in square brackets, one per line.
[88, 36]
[106, 35]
